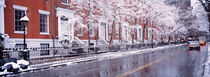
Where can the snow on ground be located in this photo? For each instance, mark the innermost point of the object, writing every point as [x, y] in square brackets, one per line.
[207, 64]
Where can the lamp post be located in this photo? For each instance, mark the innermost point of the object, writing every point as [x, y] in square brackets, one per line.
[152, 38]
[24, 20]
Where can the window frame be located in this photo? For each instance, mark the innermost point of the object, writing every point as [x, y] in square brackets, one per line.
[117, 28]
[43, 12]
[21, 8]
[149, 34]
[78, 32]
[140, 33]
[146, 33]
[19, 45]
[92, 34]
[46, 50]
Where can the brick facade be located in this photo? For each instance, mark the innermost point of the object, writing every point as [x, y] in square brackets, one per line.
[69, 11]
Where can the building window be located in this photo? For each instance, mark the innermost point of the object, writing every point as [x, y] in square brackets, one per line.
[117, 30]
[142, 20]
[18, 15]
[110, 29]
[19, 11]
[44, 22]
[149, 34]
[65, 2]
[91, 31]
[44, 51]
[137, 20]
[140, 35]
[79, 31]
[21, 46]
[145, 33]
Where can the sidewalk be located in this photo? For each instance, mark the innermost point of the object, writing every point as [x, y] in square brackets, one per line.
[92, 57]
[207, 64]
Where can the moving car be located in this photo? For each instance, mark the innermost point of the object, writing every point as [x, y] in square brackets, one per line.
[202, 43]
[194, 45]
[202, 40]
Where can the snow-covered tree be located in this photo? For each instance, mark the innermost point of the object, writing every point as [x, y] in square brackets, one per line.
[193, 19]
[200, 22]
[87, 13]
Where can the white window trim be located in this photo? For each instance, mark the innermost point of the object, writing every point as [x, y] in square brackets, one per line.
[17, 7]
[20, 7]
[46, 13]
[79, 34]
[19, 32]
[141, 36]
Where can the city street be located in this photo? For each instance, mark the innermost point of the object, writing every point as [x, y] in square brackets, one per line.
[105, 38]
[168, 62]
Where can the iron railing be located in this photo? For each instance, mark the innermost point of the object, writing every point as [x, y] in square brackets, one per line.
[40, 53]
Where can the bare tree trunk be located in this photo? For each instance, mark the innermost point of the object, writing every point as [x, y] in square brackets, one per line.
[144, 33]
[111, 39]
[133, 37]
[88, 38]
[89, 28]
[96, 39]
[120, 36]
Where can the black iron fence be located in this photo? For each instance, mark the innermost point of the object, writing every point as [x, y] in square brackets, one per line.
[41, 53]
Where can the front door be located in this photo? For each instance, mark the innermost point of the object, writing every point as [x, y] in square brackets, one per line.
[103, 31]
[65, 31]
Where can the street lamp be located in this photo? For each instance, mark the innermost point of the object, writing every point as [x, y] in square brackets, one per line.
[152, 38]
[24, 20]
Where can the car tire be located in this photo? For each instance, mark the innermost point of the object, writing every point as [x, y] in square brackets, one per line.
[198, 48]
[190, 48]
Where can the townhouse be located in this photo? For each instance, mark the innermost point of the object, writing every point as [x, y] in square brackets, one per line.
[40, 29]
[53, 21]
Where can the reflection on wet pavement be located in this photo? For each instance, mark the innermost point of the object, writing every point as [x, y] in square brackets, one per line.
[168, 62]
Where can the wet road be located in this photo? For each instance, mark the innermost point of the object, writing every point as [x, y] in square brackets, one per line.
[168, 62]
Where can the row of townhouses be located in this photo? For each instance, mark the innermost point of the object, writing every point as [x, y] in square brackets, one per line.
[51, 21]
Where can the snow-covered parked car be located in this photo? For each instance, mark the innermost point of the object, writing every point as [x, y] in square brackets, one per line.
[13, 65]
[194, 45]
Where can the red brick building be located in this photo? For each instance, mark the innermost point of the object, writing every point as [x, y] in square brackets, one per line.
[71, 20]
[40, 29]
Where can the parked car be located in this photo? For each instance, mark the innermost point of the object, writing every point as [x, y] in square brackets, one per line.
[194, 45]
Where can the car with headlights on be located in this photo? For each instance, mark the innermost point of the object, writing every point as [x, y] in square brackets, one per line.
[194, 45]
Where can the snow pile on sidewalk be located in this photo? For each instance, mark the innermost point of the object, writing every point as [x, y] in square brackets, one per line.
[207, 65]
